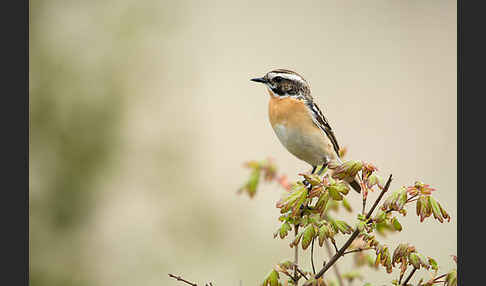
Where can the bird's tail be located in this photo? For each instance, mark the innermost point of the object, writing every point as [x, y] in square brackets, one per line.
[355, 185]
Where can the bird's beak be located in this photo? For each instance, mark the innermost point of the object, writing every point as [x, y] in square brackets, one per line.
[259, 79]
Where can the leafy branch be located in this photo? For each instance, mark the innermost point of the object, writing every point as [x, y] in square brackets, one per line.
[310, 210]
[307, 210]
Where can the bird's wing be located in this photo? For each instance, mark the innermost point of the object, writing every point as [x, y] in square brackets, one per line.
[323, 124]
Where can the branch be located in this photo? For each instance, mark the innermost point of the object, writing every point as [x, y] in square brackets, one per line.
[336, 269]
[409, 276]
[179, 278]
[357, 250]
[354, 234]
[296, 253]
[312, 257]
[335, 247]
[302, 273]
[290, 276]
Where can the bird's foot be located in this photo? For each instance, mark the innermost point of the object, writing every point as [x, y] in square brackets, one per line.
[307, 184]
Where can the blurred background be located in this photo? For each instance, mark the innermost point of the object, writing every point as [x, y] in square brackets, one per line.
[142, 114]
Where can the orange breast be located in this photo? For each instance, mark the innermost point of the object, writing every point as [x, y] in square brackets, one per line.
[296, 130]
[290, 112]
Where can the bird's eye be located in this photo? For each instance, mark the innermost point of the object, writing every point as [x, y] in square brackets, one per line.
[277, 79]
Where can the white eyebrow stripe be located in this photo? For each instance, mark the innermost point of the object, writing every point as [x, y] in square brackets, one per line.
[288, 76]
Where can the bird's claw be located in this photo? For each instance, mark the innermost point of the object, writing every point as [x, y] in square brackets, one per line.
[307, 184]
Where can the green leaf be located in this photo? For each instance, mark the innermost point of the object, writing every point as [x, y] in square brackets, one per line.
[402, 199]
[284, 230]
[414, 260]
[378, 259]
[435, 209]
[324, 233]
[372, 180]
[445, 215]
[433, 264]
[342, 188]
[343, 227]
[346, 205]
[390, 201]
[309, 234]
[396, 224]
[380, 217]
[312, 179]
[271, 279]
[300, 201]
[297, 239]
[425, 208]
[424, 261]
[451, 278]
[334, 193]
[418, 206]
[293, 200]
[348, 169]
[361, 226]
[352, 275]
[322, 201]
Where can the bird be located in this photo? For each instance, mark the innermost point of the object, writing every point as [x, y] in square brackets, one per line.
[298, 122]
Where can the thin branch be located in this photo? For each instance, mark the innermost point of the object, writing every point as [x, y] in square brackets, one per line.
[401, 277]
[312, 257]
[302, 273]
[409, 200]
[296, 253]
[354, 234]
[336, 269]
[357, 250]
[179, 278]
[290, 276]
[441, 276]
[409, 276]
[335, 247]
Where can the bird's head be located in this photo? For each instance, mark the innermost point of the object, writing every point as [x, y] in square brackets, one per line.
[284, 83]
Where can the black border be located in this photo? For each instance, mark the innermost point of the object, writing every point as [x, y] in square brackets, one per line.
[14, 208]
[459, 144]
[471, 92]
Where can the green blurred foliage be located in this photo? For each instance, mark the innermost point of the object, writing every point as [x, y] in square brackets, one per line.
[80, 60]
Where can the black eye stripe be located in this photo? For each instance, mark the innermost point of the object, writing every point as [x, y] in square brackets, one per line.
[278, 79]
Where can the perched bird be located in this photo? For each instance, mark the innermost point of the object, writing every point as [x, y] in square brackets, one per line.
[299, 123]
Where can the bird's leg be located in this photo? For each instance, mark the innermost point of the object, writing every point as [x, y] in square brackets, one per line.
[322, 169]
[305, 182]
[308, 184]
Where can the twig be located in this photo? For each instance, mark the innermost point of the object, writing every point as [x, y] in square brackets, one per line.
[179, 278]
[335, 247]
[302, 273]
[401, 277]
[409, 276]
[296, 253]
[409, 200]
[357, 250]
[312, 257]
[336, 268]
[290, 276]
[364, 205]
[354, 234]
[441, 276]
